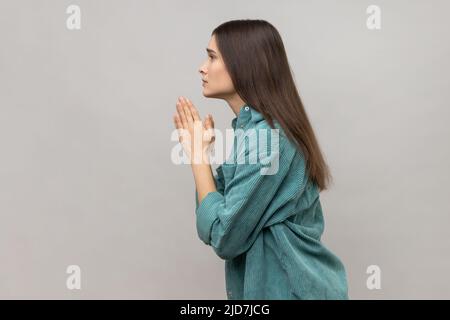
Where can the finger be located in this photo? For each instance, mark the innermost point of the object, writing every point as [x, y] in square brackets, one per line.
[178, 126]
[177, 121]
[194, 111]
[182, 115]
[187, 111]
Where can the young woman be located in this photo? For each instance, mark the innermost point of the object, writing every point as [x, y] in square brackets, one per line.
[266, 226]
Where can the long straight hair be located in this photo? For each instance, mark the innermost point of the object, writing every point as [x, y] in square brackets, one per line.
[255, 58]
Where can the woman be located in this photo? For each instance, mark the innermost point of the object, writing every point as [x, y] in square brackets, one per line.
[266, 226]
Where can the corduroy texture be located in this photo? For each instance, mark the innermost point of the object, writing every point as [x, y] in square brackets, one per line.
[267, 227]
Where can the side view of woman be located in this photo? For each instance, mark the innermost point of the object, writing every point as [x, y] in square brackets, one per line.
[267, 227]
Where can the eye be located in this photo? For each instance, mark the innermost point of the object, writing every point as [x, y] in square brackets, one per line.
[211, 57]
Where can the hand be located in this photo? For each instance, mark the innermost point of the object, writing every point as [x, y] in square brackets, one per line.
[195, 136]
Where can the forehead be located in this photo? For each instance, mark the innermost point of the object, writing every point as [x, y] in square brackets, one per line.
[213, 45]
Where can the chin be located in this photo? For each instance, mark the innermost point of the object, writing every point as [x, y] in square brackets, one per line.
[208, 94]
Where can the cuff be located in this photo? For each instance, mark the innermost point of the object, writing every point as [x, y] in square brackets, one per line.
[206, 213]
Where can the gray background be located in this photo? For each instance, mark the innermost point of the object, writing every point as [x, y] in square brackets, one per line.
[86, 176]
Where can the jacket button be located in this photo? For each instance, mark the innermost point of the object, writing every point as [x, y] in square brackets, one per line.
[246, 108]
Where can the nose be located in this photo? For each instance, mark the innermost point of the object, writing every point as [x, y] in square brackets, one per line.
[202, 69]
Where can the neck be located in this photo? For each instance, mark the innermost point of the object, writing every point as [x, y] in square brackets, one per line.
[235, 103]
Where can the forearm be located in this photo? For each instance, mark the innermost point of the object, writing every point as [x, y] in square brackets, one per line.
[204, 179]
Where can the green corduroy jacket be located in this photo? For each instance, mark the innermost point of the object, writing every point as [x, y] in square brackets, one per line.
[265, 219]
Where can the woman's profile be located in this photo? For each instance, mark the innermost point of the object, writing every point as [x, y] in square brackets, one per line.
[267, 227]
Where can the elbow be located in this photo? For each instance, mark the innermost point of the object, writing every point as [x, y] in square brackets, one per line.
[230, 244]
[227, 252]
[224, 255]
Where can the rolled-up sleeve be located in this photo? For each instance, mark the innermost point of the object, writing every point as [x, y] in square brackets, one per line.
[230, 222]
[219, 187]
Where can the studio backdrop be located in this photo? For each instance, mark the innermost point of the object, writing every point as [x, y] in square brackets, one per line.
[92, 204]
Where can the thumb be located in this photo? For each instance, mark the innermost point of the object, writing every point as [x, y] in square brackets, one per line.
[209, 122]
[209, 127]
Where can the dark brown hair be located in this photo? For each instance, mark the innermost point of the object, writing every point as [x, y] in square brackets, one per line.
[255, 58]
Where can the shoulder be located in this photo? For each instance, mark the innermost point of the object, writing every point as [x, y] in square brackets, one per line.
[263, 130]
[262, 143]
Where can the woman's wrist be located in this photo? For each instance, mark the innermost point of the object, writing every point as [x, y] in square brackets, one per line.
[202, 159]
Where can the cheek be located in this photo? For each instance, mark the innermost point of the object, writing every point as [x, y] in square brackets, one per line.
[220, 76]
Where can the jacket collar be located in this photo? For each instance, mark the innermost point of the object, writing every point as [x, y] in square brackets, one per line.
[245, 115]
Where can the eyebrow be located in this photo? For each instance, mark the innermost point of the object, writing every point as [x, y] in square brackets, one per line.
[210, 50]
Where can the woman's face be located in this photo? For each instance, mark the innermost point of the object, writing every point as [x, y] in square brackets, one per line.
[216, 80]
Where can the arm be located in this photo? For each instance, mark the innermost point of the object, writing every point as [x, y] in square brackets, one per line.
[219, 186]
[196, 138]
[230, 222]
